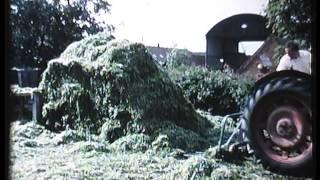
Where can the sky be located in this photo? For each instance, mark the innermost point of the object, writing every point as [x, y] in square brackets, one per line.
[175, 23]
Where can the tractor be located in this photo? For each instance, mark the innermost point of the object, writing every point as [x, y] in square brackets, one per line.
[275, 123]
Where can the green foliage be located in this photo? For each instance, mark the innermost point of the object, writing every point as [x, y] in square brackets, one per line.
[212, 90]
[291, 20]
[42, 29]
[279, 51]
[208, 89]
[177, 57]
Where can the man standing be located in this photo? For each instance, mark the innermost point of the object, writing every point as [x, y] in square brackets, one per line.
[295, 59]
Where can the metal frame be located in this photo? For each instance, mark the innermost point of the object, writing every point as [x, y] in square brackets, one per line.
[234, 133]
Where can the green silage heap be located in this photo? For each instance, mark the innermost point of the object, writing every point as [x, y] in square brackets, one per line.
[114, 88]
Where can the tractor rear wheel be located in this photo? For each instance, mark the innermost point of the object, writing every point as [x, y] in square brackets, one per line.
[279, 126]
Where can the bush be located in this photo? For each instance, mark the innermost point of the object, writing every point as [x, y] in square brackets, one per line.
[211, 90]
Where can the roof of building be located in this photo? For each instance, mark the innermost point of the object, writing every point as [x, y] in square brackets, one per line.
[159, 53]
[199, 53]
[240, 27]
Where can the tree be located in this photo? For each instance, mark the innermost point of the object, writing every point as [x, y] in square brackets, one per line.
[42, 29]
[178, 57]
[290, 19]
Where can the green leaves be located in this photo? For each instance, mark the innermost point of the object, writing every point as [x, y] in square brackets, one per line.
[212, 90]
[291, 20]
[178, 57]
[41, 29]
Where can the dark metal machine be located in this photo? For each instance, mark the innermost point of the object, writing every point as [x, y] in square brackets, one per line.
[276, 123]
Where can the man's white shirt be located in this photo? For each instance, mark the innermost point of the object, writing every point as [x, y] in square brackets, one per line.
[301, 63]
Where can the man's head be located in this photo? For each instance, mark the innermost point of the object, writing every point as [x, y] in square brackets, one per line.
[292, 49]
